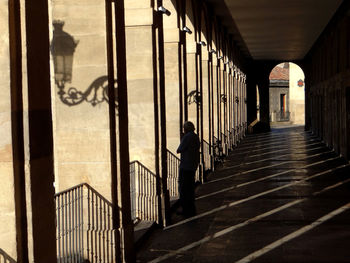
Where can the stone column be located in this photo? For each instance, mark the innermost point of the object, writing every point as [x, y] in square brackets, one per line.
[221, 105]
[224, 109]
[230, 108]
[12, 205]
[215, 119]
[245, 105]
[211, 108]
[40, 132]
[141, 76]
[241, 105]
[192, 87]
[146, 95]
[205, 95]
[172, 78]
[122, 181]
[235, 95]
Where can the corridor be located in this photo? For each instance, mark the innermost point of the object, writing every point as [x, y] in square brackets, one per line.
[281, 196]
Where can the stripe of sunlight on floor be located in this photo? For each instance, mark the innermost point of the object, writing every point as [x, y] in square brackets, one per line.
[259, 217]
[262, 192]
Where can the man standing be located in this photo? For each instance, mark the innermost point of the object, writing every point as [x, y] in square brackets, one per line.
[189, 149]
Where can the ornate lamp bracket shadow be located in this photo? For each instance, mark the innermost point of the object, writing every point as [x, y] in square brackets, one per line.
[223, 98]
[63, 46]
[194, 97]
[95, 94]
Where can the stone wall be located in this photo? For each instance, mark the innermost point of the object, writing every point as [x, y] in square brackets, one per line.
[80, 113]
[327, 84]
[7, 206]
[296, 94]
[81, 130]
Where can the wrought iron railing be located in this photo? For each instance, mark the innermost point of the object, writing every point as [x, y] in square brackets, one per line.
[206, 156]
[283, 116]
[232, 137]
[84, 227]
[217, 146]
[218, 150]
[223, 138]
[5, 258]
[84, 231]
[224, 143]
[144, 200]
[173, 163]
[238, 132]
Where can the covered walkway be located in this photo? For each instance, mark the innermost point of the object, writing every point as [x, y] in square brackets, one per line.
[281, 196]
[94, 95]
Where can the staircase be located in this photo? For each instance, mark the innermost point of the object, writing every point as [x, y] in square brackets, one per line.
[84, 229]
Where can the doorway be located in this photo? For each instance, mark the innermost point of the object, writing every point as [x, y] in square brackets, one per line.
[287, 95]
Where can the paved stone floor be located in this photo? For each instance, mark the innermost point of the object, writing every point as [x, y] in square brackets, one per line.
[279, 197]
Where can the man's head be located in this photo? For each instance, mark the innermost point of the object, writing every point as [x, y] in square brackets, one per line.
[188, 127]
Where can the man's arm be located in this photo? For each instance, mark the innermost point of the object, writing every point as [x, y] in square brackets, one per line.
[183, 145]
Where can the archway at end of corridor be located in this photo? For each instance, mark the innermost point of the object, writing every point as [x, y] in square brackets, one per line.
[287, 95]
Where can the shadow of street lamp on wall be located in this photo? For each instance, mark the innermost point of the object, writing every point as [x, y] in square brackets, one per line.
[63, 46]
[194, 97]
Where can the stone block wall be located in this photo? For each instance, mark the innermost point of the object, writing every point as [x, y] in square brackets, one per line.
[81, 130]
[7, 205]
[327, 71]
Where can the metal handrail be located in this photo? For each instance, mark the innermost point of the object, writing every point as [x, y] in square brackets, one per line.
[283, 116]
[84, 229]
[231, 137]
[217, 146]
[5, 258]
[224, 137]
[144, 199]
[88, 186]
[173, 163]
[206, 156]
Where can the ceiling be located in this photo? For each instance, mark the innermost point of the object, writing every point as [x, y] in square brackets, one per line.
[275, 29]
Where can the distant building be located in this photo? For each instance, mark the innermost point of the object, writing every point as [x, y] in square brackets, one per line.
[279, 93]
[287, 94]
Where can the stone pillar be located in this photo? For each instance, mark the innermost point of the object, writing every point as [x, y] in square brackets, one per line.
[122, 181]
[40, 132]
[141, 76]
[221, 105]
[215, 119]
[146, 94]
[241, 105]
[192, 88]
[205, 96]
[236, 103]
[172, 77]
[164, 218]
[11, 164]
[211, 108]
[224, 109]
[264, 98]
[245, 105]
[230, 107]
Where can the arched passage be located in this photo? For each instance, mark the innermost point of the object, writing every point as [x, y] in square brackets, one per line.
[287, 95]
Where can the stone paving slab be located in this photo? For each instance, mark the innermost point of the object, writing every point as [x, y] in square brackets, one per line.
[265, 205]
